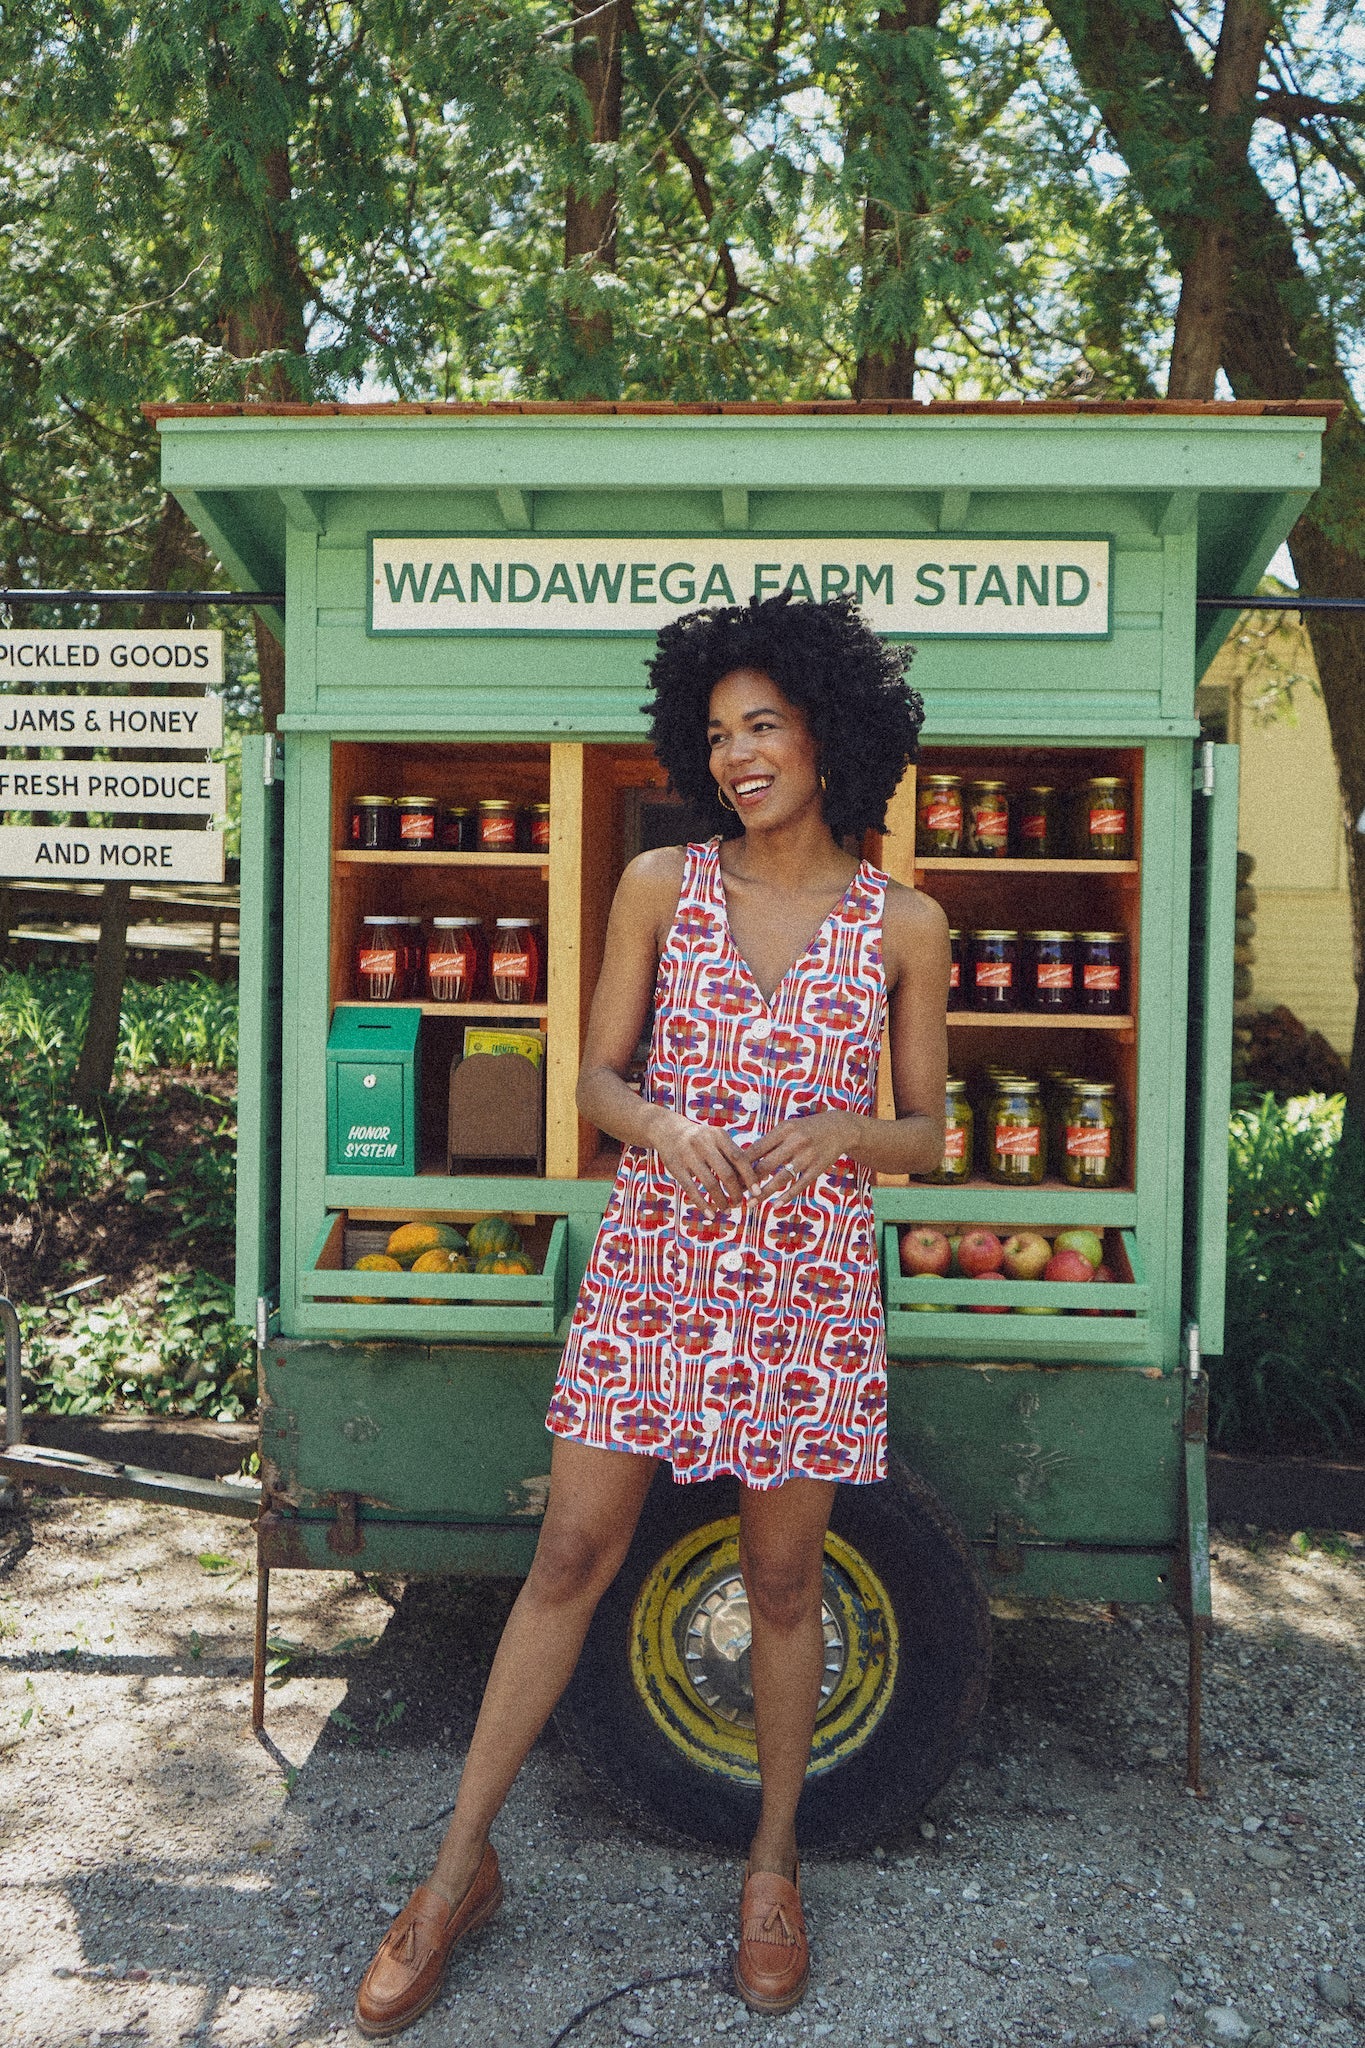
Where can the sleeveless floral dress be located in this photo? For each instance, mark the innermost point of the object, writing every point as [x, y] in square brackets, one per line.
[749, 1342]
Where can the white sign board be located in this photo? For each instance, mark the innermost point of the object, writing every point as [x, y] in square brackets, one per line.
[101, 655]
[181, 722]
[156, 786]
[148, 856]
[946, 585]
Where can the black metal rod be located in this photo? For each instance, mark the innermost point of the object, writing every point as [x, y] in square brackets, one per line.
[1280, 604]
[14, 1393]
[171, 597]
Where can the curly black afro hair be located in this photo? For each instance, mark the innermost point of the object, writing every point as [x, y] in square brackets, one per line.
[824, 658]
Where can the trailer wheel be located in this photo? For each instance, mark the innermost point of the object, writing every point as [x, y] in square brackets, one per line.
[660, 1711]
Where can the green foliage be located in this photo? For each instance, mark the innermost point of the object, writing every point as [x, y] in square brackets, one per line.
[178, 1354]
[1293, 1377]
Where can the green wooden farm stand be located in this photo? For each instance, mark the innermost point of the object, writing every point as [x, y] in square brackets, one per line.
[409, 1438]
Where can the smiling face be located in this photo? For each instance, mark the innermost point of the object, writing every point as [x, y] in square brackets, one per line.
[763, 754]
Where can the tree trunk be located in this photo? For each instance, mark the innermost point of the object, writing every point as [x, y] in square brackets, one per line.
[886, 368]
[590, 223]
[1136, 66]
[1206, 279]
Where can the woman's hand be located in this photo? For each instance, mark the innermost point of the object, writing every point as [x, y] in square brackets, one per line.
[705, 1162]
[794, 1154]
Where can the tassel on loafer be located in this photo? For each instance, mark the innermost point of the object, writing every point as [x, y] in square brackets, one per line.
[404, 1980]
[772, 1967]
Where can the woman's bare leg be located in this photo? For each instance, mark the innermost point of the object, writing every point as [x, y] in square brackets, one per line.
[594, 1505]
[781, 1553]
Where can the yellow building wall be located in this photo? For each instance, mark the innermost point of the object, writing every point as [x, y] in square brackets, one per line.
[1291, 821]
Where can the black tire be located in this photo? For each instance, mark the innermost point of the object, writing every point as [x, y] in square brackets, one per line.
[925, 1665]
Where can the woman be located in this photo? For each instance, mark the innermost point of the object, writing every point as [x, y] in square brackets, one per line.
[730, 1319]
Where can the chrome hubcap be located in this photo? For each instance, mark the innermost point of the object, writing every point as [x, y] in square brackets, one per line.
[716, 1634]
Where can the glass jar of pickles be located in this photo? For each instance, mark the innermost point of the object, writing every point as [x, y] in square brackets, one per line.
[1048, 980]
[372, 824]
[1091, 1148]
[993, 958]
[1102, 961]
[1035, 812]
[381, 960]
[453, 959]
[938, 814]
[1016, 1132]
[1104, 808]
[956, 994]
[958, 1122]
[515, 965]
[987, 814]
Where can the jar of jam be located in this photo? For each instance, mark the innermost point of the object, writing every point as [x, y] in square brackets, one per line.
[958, 1121]
[938, 814]
[993, 961]
[956, 995]
[515, 963]
[381, 960]
[1091, 1149]
[538, 828]
[416, 823]
[497, 825]
[1016, 1133]
[1103, 820]
[1102, 965]
[1036, 824]
[1049, 971]
[373, 824]
[459, 828]
[452, 959]
[987, 809]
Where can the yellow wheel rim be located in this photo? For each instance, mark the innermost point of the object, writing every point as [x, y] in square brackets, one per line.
[690, 1662]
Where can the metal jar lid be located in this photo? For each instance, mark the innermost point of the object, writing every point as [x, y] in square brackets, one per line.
[372, 803]
[540, 810]
[1016, 1084]
[975, 784]
[1104, 938]
[1107, 782]
[496, 803]
[517, 924]
[954, 931]
[1041, 789]
[383, 920]
[940, 781]
[1075, 1087]
[993, 935]
[956, 1086]
[456, 810]
[1068, 936]
[453, 924]
[415, 803]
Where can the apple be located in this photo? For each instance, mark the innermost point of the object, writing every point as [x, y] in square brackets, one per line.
[1068, 1265]
[925, 1251]
[931, 1308]
[1086, 1242]
[1026, 1254]
[1102, 1274]
[988, 1308]
[953, 1244]
[980, 1252]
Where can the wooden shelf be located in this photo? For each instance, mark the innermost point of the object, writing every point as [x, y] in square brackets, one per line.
[962, 864]
[1038, 1020]
[344, 856]
[979, 1188]
[492, 1011]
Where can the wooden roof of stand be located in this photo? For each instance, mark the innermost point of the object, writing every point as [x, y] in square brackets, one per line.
[1328, 409]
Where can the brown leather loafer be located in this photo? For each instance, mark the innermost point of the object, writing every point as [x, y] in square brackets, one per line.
[772, 1967]
[404, 1980]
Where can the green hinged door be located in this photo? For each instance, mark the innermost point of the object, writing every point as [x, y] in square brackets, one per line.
[1213, 911]
[260, 1001]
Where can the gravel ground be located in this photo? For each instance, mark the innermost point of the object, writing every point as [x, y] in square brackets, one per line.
[166, 1878]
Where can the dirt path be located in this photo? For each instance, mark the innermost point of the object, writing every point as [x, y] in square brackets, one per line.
[164, 1878]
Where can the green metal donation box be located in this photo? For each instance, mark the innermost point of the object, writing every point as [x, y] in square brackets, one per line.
[430, 846]
[372, 1079]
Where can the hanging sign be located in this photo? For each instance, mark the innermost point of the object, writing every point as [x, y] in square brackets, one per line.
[166, 786]
[181, 722]
[148, 855]
[102, 655]
[943, 586]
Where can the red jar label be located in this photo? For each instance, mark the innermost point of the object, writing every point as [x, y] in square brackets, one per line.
[1034, 826]
[1108, 824]
[1018, 1141]
[992, 826]
[511, 966]
[378, 961]
[943, 814]
[416, 825]
[1085, 1141]
[955, 975]
[955, 1142]
[540, 835]
[995, 974]
[448, 976]
[1101, 975]
[1055, 974]
[497, 831]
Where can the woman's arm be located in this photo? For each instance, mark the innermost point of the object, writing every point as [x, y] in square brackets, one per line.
[704, 1161]
[918, 958]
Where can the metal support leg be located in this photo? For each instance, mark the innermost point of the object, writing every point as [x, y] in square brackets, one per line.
[258, 1655]
[1195, 1590]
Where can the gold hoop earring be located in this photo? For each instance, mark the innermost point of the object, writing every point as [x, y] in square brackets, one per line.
[824, 786]
[722, 798]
